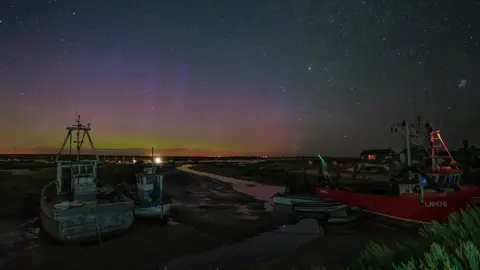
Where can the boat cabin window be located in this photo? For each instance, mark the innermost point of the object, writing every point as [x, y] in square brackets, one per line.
[76, 170]
[150, 180]
[145, 179]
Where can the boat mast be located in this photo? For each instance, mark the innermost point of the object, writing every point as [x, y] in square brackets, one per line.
[82, 131]
[431, 144]
[407, 143]
[70, 162]
[406, 129]
[78, 142]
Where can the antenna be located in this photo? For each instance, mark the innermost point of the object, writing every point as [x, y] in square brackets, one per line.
[414, 109]
[81, 131]
[406, 129]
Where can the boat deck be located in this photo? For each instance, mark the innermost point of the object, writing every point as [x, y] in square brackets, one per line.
[387, 189]
[101, 203]
[69, 197]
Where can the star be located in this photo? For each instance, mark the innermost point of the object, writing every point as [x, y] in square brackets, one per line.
[202, 65]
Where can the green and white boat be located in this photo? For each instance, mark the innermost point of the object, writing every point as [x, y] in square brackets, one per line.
[290, 199]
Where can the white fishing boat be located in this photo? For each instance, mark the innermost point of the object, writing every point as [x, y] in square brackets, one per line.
[75, 207]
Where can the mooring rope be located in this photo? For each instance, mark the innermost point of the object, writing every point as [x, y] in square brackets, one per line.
[96, 223]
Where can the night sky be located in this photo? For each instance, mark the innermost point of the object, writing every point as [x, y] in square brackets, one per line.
[225, 77]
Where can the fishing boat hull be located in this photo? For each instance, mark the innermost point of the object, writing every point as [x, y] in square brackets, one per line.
[153, 210]
[406, 208]
[290, 199]
[85, 223]
[161, 209]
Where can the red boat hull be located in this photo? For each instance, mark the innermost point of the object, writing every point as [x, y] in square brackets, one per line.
[407, 207]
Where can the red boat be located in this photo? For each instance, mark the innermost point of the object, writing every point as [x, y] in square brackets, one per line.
[414, 195]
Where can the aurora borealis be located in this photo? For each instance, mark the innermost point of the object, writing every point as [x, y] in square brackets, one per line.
[235, 77]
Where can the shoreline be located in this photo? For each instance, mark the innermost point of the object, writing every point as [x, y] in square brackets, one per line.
[208, 213]
[342, 243]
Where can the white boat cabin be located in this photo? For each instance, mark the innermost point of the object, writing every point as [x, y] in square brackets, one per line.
[149, 186]
[78, 178]
[150, 170]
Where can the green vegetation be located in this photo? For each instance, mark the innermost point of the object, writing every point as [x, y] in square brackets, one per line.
[452, 245]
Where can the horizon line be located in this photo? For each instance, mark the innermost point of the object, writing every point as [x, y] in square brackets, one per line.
[193, 152]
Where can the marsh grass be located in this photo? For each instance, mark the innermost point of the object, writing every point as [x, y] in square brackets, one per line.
[452, 245]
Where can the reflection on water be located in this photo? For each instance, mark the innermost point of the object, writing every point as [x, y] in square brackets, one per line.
[267, 246]
[258, 191]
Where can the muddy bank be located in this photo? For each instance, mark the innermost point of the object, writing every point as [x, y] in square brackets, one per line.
[219, 210]
[146, 247]
[339, 246]
[210, 218]
[206, 214]
[243, 255]
[268, 175]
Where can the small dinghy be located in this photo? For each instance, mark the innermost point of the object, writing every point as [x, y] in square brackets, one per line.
[290, 199]
[302, 204]
[302, 191]
[331, 211]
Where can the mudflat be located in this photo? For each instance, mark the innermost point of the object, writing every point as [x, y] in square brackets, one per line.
[205, 215]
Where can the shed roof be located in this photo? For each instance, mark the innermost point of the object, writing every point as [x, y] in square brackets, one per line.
[377, 152]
